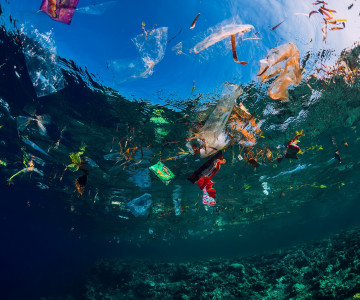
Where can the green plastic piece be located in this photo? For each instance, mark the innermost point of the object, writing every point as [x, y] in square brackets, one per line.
[161, 171]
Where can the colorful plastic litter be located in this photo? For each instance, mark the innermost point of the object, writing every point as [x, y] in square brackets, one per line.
[161, 171]
[289, 70]
[59, 10]
[202, 176]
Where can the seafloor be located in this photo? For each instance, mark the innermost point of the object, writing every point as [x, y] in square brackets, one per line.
[326, 269]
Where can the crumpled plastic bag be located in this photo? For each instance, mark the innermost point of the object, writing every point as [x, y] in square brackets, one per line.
[151, 47]
[140, 206]
[42, 62]
[213, 133]
[283, 59]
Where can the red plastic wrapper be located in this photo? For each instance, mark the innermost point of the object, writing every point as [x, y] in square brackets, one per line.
[202, 176]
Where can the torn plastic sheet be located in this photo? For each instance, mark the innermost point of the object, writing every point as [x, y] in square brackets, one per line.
[42, 62]
[91, 162]
[22, 122]
[285, 60]
[59, 10]
[202, 176]
[213, 133]
[207, 200]
[36, 147]
[151, 47]
[96, 9]
[162, 172]
[177, 200]
[141, 178]
[140, 206]
[221, 32]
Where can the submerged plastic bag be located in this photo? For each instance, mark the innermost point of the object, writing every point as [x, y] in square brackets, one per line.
[202, 176]
[213, 133]
[140, 206]
[161, 171]
[59, 10]
[177, 200]
[284, 60]
[42, 62]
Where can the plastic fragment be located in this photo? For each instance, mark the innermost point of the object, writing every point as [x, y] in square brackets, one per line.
[59, 10]
[33, 145]
[202, 176]
[220, 34]
[177, 200]
[212, 133]
[162, 172]
[140, 206]
[151, 47]
[42, 61]
[194, 22]
[96, 9]
[207, 200]
[288, 55]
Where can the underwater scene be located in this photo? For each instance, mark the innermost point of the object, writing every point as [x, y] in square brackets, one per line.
[179, 150]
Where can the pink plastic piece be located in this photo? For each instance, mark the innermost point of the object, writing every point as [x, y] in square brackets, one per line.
[59, 10]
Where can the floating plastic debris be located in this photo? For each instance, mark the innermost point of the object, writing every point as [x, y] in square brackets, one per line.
[96, 9]
[59, 10]
[221, 32]
[194, 22]
[289, 57]
[213, 133]
[42, 61]
[33, 145]
[207, 200]
[151, 47]
[176, 196]
[202, 176]
[22, 122]
[91, 162]
[141, 177]
[161, 171]
[140, 206]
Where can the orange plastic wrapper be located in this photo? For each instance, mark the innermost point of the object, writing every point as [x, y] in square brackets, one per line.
[283, 60]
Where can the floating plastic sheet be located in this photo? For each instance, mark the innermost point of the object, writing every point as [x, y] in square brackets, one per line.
[212, 133]
[284, 60]
[96, 9]
[140, 206]
[220, 33]
[59, 10]
[177, 200]
[151, 46]
[42, 62]
[36, 147]
[141, 177]
[22, 122]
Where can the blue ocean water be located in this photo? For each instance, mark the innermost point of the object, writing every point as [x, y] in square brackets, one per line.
[80, 129]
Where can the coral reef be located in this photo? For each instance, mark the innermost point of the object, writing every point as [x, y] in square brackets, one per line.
[327, 269]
